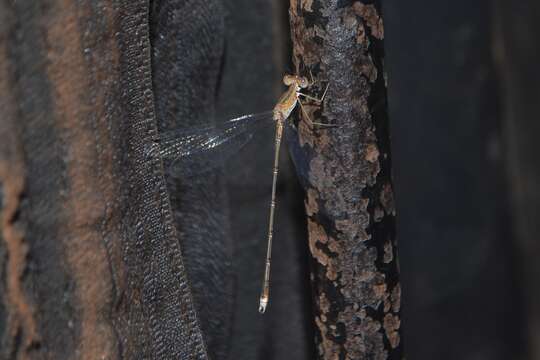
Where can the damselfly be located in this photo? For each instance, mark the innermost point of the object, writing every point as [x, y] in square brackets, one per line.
[202, 148]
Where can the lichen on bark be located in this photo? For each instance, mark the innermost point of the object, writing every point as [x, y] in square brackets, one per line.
[349, 196]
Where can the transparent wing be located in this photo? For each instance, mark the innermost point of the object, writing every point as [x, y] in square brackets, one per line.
[299, 155]
[196, 150]
[302, 155]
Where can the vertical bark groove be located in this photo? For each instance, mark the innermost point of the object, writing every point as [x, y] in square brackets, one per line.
[20, 328]
[100, 261]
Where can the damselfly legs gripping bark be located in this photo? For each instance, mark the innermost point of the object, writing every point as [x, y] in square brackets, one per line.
[192, 149]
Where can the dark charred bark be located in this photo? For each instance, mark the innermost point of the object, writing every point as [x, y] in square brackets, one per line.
[349, 204]
[91, 263]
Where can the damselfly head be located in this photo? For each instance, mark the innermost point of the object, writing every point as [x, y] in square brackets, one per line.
[300, 81]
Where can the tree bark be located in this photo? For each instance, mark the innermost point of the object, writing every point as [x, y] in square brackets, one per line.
[349, 203]
[93, 266]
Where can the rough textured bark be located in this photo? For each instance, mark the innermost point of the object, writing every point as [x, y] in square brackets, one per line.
[517, 51]
[349, 203]
[92, 266]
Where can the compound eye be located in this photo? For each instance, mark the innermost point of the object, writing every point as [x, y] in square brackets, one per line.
[288, 80]
[304, 83]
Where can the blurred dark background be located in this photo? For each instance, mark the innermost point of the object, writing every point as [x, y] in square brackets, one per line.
[463, 97]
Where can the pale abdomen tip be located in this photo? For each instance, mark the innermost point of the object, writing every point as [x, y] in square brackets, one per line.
[263, 302]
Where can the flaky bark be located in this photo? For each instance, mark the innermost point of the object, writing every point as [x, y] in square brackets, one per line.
[349, 202]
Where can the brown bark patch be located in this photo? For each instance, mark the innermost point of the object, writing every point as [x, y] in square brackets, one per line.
[311, 203]
[388, 252]
[371, 17]
[387, 199]
[372, 153]
[307, 4]
[318, 241]
[391, 328]
[20, 322]
[396, 298]
[84, 246]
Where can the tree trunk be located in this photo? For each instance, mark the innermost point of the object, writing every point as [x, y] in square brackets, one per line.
[93, 266]
[349, 203]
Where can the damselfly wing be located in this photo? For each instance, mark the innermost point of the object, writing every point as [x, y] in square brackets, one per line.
[194, 151]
